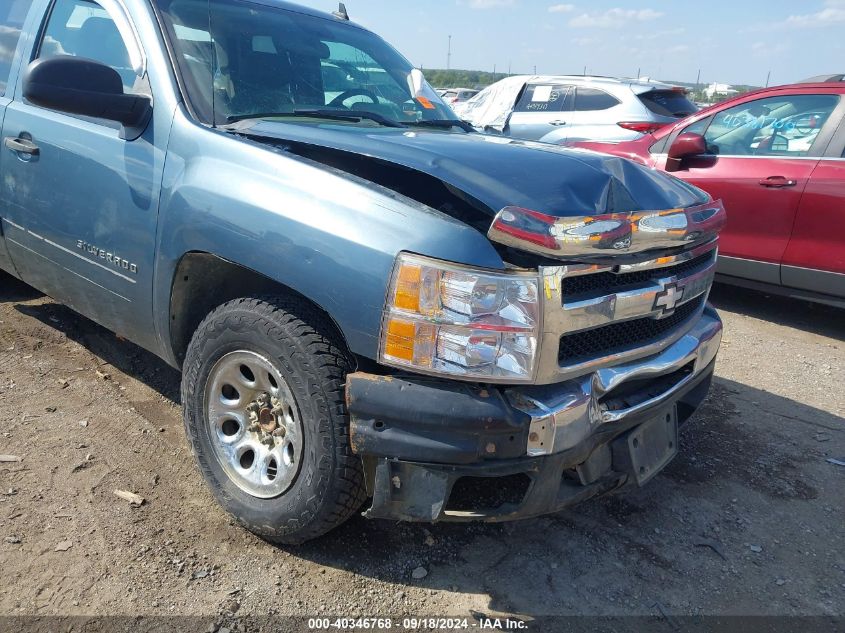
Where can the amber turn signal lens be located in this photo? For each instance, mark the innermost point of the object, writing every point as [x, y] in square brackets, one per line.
[400, 339]
[408, 340]
[407, 295]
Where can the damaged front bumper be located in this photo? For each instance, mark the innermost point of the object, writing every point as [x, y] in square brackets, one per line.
[437, 450]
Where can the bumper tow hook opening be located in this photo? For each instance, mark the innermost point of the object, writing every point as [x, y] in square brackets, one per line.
[476, 494]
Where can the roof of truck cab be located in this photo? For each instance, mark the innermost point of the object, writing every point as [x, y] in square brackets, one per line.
[299, 8]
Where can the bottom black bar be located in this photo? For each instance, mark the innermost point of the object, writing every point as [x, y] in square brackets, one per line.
[664, 622]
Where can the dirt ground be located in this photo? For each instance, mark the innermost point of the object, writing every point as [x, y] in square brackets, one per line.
[749, 519]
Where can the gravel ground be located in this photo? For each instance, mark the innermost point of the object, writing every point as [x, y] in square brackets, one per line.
[749, 519]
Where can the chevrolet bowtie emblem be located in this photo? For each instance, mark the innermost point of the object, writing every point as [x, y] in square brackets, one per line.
[668, 298]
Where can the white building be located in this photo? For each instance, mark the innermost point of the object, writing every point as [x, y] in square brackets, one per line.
[722, 90]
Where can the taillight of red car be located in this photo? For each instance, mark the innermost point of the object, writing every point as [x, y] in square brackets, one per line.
[643, 127]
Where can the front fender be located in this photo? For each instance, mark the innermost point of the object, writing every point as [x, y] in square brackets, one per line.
[326, 234]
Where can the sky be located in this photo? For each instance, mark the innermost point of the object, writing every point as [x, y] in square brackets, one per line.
[736, 42]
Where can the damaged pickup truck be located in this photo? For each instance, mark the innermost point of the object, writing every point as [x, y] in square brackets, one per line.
[366, 298]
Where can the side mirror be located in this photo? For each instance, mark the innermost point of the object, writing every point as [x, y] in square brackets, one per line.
[76, 85]
[686, 145]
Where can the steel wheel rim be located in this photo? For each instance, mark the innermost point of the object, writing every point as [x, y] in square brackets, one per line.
[254, 424]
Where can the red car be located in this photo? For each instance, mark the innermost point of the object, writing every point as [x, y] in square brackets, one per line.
[776, 157]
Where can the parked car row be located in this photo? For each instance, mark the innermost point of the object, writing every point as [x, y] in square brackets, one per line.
[776, 157]
[453, 96]
[556, 109]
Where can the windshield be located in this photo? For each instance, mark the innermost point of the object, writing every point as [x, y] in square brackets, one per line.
[253, 59]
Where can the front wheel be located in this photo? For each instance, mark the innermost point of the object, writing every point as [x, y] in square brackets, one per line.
[264, 410]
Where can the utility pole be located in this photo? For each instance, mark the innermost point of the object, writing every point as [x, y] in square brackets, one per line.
[535, 69]
[768, 77]
[494, 69]
[449, 55]
[585, 70]
[509, 69]
[639, 72]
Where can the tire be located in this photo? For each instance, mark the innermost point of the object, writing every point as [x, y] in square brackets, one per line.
[302, 479]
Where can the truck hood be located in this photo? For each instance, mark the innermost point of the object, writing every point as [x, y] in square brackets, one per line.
[500, 172]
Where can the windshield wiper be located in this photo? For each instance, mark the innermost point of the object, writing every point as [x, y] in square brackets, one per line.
[318, 113]
[444, 123]
[351, 115]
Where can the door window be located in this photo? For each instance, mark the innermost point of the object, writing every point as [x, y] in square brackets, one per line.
[544, 98]
[12, 15]
[776, 126]
[82, 28]
[699, 127]
[660, 146]
[590, 99]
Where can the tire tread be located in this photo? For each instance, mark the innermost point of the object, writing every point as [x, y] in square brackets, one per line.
[326, 362]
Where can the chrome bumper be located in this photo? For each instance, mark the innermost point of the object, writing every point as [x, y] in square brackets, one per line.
[564, 415]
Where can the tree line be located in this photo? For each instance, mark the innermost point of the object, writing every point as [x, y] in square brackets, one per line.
[461, 78]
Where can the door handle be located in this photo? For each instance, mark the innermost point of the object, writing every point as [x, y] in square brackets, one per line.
[777, 182]
[557, 122]
[21, 146]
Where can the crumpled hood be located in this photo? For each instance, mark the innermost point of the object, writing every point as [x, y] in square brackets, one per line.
[501, 172]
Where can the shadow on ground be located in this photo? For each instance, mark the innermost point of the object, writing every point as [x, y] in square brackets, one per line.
[12, 289]
[117, 352]
[818, 318]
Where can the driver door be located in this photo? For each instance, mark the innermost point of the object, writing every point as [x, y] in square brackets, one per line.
[761, 154]
[81, 201]
[12, 16]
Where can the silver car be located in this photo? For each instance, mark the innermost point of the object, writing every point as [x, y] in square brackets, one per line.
[561, 109]
[458, 95]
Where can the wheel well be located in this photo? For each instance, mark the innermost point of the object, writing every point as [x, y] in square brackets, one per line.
[204, 281]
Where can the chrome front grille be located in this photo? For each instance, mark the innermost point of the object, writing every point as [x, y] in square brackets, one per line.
[597, 316]
[603, 283]
[607, 340]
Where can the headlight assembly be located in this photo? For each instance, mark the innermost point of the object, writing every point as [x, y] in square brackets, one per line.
[453, 320]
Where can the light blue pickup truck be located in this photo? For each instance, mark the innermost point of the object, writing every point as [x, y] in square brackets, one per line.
[367, 299]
